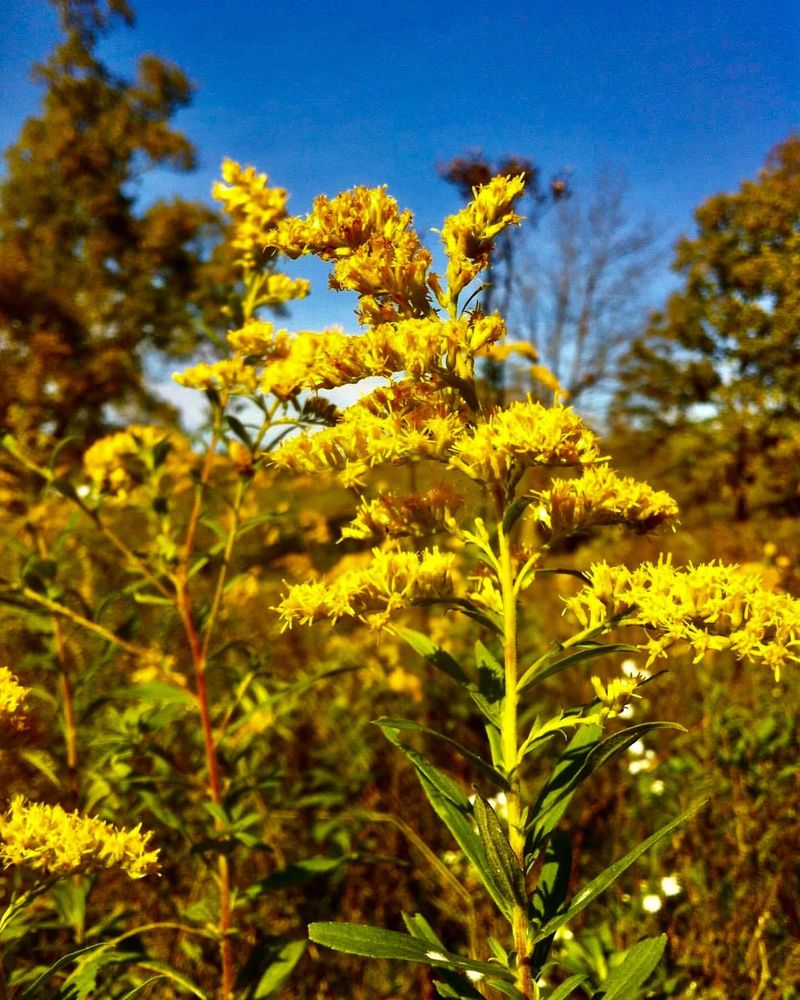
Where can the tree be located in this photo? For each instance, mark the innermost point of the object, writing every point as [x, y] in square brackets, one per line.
[717, 372]
[576, 294]
[580, 298]
[88, 283]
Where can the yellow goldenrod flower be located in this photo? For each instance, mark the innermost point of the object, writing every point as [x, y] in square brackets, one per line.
[524, 434]
[468, 235]
[392, 581]
[396, 424]
[615, 695]
[601, 497]
[229, 377]
[418, 347]
[337, 227]
[276, 289]
[13, 717]
[254, 210]
[117, 463]
[50, 840]
[393, 516]
[709, 607]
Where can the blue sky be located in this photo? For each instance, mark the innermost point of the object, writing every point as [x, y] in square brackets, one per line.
[685, 98]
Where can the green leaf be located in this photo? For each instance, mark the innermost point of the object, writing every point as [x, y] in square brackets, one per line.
[568, 986]
[559, 788]
[514, 511]
[620, 741]
[455, 987]
[142, 986]
[155, 965]
[156, 599]
[434, 654]
[296, 874]
[44, 977]
[239, 430]
[43, 762]
[551, 891]
[635, 970]
[374, 942]
[481, 766]
[64, 487]
[452, 806]
[502, 861]
[279, 970]
[491, 675]
[598, 885]
[444, 785]
[418, 927]
[158, 691]
[550, 664]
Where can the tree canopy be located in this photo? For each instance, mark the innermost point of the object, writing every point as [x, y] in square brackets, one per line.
[717, 372]
[88, 280]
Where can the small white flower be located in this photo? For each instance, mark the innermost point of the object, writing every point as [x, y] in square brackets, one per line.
[637, 748]
[626, 712]
[564, 934]
[657, 788]
[651, 903]
[670, 885]
[630, 668]
[500, 804]
[436, 956]
[83, 490]
[645, 762]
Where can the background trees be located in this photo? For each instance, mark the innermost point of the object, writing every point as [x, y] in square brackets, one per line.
[714, 382]
[573, 280]
[88, 281]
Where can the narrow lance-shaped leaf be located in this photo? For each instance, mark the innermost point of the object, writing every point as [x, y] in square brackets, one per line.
[374, 942]
[278, 971]
[567, 988]
[551, 892]
[434, 654]
[634, 971]
[502, 861]
[559, 659]
[598, 885]
[558, 790]
[452, 807]
[481, 766]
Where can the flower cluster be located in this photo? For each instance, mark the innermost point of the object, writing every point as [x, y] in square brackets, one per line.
[614, 696]
[50, 840]
[375, 250]
[396, 424]
[117, 463]
[709, 607]
[393, 516]
[392, 581]
[524, 434]
[468, 236]
[254, 209]
[601, 497]
[13, 718]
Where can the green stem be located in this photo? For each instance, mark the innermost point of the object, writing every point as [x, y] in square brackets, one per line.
[509, 735]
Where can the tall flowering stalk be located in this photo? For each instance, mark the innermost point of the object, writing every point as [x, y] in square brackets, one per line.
[419, 338]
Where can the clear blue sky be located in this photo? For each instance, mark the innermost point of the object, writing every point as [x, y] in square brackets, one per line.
[686, 98]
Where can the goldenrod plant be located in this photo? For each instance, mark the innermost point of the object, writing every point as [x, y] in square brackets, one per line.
[143, 588]
[536, 475]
